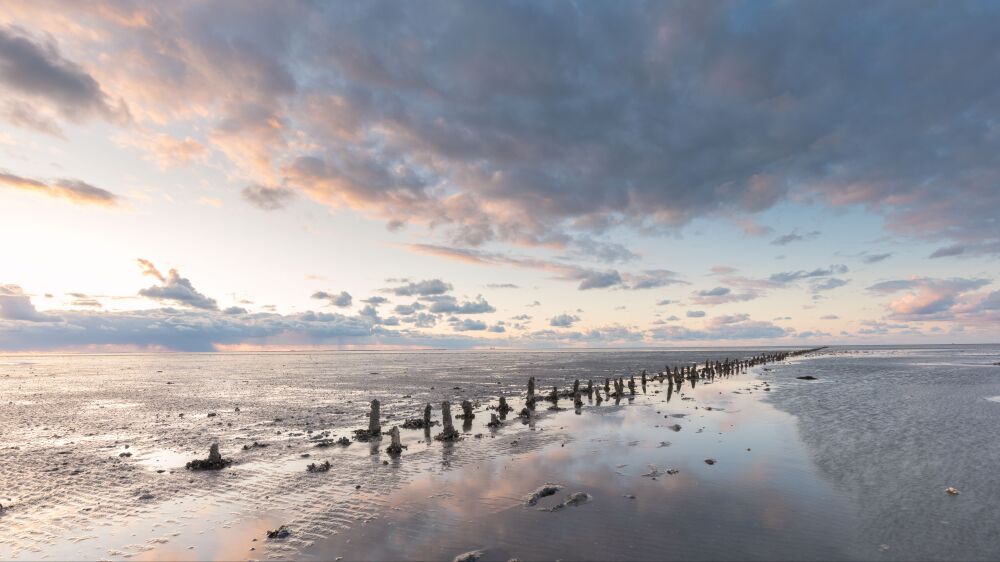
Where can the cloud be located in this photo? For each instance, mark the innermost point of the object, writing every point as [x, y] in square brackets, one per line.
[695, 313]
[599, 279]
[446, 304]
[165, 150]
[664, 302]
[829, 317]
[37, 75]
[721, 295]
[787, 239]
[876, 258]
[716, 292]
[953, 300]
[74, 191]
[267, 198]
[723, 270]
[828, 284]
[342, 299]
[396, 112]
[15, 305]
[724, 328]
[588, 278]
[469, 325]
[563, 320]
[949, 251]
[753, 228]
[502, 286]
[427, 287]
[174, 288]
[408, 309]
[186, 330]
[787, 277]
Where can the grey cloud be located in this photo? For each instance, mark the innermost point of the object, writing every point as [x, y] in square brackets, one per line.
[599, 279]
[563, 320]
[267, 198]
[695, 313]
[716, 292]
[342, 299]
[446, 304]
[564, 118]
[588, 278]
[469, 325]
[420, 319]
[875, 258]
[828, 284]
[424, 288]
[182, 330]
[795, 237]
[75, 191]
[949, 251]
[408, 309]
[15, 305]
[39, 72]
[786, 277]
[174, 288]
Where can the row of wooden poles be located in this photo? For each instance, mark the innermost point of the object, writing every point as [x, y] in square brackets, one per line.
[677, 375]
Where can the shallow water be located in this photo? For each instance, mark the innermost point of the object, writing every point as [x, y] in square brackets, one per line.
[891, 428]
[71, 495]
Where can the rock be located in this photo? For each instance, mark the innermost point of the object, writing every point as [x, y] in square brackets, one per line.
[494, 421]
[471, 556]
[322, 467]
[281, 532]
[951, 491]
[542, 491]
[806, 378]
[709, 461]
[675, 427]
[213, 462]
[574, 500]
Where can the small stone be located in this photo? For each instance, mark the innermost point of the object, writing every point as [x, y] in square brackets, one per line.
[281, 532]
[951, 491]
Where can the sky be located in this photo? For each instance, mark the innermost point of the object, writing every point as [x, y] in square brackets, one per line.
[199, 176]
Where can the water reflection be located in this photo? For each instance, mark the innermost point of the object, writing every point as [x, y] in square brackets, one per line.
[769, 502]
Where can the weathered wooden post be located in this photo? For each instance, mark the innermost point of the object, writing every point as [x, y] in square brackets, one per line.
[448, 433]
[374, 426]
[395, 448]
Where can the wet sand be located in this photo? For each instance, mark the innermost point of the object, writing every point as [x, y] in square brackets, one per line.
[72, 494]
